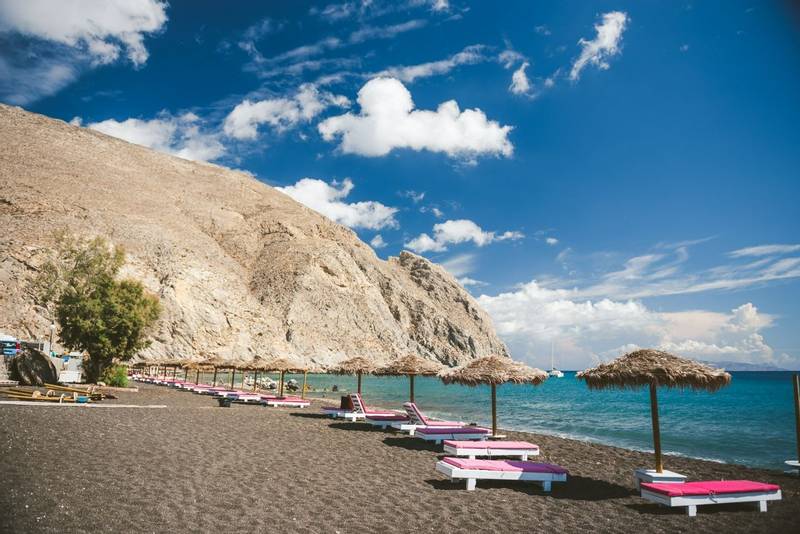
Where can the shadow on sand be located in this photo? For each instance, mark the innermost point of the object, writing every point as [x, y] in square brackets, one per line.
[576, 488]
[413, 444]
[310, 415]
[651, 508]
[361, 427]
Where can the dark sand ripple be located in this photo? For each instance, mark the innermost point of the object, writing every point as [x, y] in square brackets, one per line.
[194, 467]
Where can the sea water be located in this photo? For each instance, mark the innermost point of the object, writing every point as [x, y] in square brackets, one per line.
[749, 422]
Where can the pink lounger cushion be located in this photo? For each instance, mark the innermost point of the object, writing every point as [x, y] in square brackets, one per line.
[709, 487]
[496, 445]
[453, 430]
[505, 465]
[372, 417]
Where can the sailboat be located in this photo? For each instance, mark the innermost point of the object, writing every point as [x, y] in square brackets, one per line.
[555, 373]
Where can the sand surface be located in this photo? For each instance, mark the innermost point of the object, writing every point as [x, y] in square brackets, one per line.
[195, 467]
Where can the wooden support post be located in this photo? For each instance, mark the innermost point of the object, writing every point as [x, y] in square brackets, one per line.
[197, 376]
[255, 380]
[305, 378]
[281, 389]
[656, 428]
[411, 388]
[494, 409]
[359, 382]
[214, 380]
[796, 383]
[233, 375]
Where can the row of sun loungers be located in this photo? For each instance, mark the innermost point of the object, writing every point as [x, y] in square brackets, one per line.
[472, 457]
[227, 394]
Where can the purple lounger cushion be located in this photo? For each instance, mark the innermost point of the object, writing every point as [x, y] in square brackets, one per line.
[495, 445]
[452, 430]
[709, 487]
[387, 417]
[505, 465]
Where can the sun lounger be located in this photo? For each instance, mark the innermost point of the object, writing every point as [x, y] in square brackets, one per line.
[285, 402]
[472, 470]
[417, 419]
[360, 410]
[385, 421]
[460, 433]
[694, 494]
[474, 449]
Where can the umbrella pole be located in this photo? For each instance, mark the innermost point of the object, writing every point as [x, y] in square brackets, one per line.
[656, 429]
[281, 391]
[214, 380]
[796, 388]
[233, 376]
[255, 380]
[174, 372]
[359, 382]
[411, 388]
[494, 410]
[305, 377]
[197, 376]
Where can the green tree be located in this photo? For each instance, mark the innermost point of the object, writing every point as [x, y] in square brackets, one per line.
[97, 313]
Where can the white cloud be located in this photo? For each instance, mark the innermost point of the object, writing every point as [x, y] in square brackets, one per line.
[586, 331]
[384, 32]
[377, 242]
[520, 85]
[440, 5]
[460, 264]
[388, 121]
[552, 241]
[280, 113]
[181, 136]
[45, 45]
[471, 282]
[103, 28]
[409, 73]
[328, 199]
[415, 196]
[605, 45]
[764, 250]
[453, 232]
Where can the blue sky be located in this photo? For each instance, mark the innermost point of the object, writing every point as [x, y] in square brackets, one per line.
[599, 175]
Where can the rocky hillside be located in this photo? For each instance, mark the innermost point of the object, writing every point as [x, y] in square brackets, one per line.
[241, 269]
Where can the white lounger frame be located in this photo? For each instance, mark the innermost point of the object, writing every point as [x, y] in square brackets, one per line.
[472, 475]
[491, 452]
[691, 502]
[284, 403]
[438, 438]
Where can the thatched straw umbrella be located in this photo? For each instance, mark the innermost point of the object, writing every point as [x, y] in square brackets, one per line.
[284, 365]
[217, 362]
[494, 370]
[410, 365]
[654, 368]
[356, 365]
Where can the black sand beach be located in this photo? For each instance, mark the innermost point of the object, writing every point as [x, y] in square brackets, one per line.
[194, 467]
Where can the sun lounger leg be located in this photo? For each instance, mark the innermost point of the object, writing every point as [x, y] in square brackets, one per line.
[762, 506]
[691, 510]
[471, 484]
[547, 486]
[525, 457]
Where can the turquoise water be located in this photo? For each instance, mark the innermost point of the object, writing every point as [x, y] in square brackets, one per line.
[750, 422]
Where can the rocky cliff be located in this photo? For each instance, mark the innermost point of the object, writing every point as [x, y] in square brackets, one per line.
[241, 269]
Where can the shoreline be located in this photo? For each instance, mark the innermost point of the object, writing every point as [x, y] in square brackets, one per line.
[196, 467]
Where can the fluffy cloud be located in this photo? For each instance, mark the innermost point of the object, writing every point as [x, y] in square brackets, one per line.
[532, 317]
[181, 136]
[280, 113]
[605, 45]
[46, 45]
[409, 73]
[552, 241]
[377, 242]
[453, 232]
[520, 85]
[388, 121]
[104, 28]
[328, 199]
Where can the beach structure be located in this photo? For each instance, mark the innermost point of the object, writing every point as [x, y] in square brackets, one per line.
[474, 470]
[359, 410]
[283, 365]
[654, 369]
[490, 449]
[795, 464]
[410, 365]
[357, 365]
[416, 419]
[494, 371]
[693, 494]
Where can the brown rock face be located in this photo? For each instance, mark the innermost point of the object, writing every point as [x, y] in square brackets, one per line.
[241, 269]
